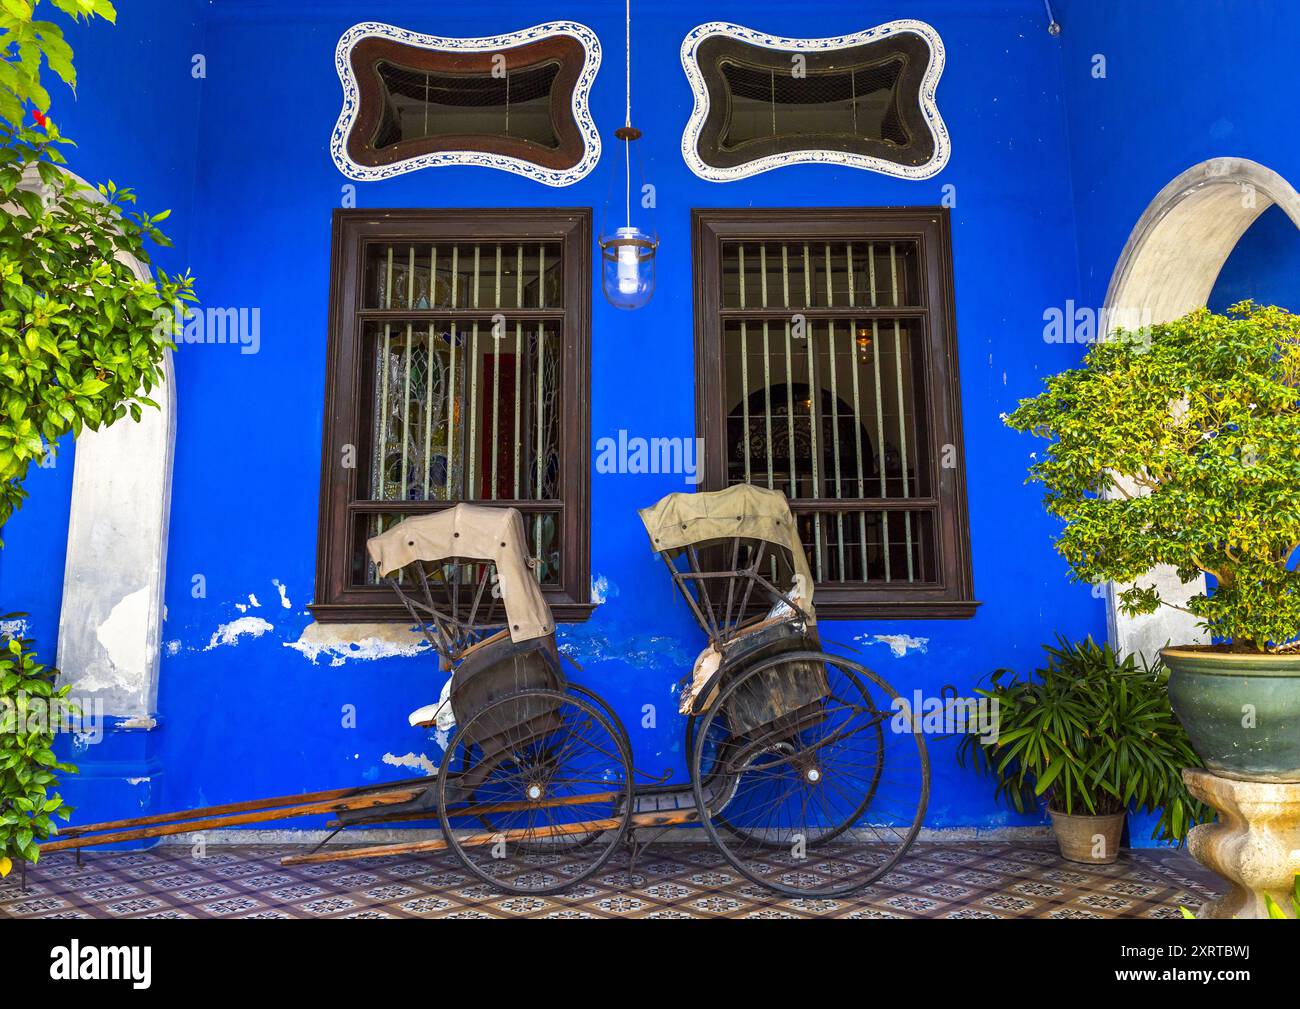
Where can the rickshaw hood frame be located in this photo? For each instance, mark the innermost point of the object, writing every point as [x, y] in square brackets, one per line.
[473, 532]
[681, 519]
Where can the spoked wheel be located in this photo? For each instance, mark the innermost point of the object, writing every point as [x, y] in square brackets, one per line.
[551, 797]
[818, 805]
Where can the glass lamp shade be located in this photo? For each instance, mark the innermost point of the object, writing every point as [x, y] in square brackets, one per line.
[628, 267]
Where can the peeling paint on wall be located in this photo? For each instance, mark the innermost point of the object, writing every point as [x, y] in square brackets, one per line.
[602, 589]
[417, 762]
[229, 634]
[584, 644]
[120, 635]
[899, 644]
[173, 647]
[16, 628]
[284, 597]
[341, 642]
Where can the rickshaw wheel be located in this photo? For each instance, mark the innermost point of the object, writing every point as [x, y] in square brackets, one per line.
[691, 723]
[579, 840]
[819, 808]
[541, 784]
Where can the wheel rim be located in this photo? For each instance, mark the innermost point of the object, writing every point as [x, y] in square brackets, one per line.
[539, 790]
[497, 822]
[825, 808]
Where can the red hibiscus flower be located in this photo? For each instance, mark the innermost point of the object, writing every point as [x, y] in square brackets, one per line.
[39, 116]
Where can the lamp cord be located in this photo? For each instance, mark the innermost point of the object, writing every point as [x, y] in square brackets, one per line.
[627, 143]
[627, 39]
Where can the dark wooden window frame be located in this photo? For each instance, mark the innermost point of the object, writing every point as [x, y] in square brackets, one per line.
[338, 599]
[930, 227]
[565, 50]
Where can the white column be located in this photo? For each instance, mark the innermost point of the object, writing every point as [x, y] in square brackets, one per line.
[110, 625]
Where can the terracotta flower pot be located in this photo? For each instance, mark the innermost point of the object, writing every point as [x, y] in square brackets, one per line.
[1241, 710]
[1090, 839]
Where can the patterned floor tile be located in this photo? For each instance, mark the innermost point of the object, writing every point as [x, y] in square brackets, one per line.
[968, 880]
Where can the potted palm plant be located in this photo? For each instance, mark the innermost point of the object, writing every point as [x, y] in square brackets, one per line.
[1180, 445]
[1093, 736]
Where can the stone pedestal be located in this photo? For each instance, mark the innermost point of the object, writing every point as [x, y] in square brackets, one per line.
[1255, 845]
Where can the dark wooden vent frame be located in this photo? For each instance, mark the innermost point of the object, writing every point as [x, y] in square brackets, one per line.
[912, 47]
[571, 47]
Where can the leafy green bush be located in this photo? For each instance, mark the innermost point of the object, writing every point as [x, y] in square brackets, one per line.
[25, 41]
[1181, 445]
[1093, 734]
[32, 708]
[82, 338]
[82, 343]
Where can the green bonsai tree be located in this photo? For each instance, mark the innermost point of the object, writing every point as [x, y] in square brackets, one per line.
[1180, 445]
[82, 343]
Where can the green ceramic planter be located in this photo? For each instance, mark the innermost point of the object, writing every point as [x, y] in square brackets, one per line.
[1241, 711]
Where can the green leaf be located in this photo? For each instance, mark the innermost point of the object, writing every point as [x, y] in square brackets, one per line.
[20, 9]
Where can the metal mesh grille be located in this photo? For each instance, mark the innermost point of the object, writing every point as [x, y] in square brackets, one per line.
[419, 104]
[855, 101]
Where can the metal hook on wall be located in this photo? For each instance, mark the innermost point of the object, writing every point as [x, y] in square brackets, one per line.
[1053, 26]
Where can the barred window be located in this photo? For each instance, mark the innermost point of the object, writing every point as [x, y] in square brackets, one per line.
[458, 370]
[828, 370]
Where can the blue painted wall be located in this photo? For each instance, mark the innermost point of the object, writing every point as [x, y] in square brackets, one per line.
[1043, 205]
[1184, 82]
[1265, 266]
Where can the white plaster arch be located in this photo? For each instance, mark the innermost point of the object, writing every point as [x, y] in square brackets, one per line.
[110, 623]
[1168, 268]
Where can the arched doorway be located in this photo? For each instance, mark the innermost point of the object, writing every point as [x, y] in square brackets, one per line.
[1168, 268]
[110, 622]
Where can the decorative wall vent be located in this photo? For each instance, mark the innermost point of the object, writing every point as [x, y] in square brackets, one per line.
[517, 102]
[865, 100]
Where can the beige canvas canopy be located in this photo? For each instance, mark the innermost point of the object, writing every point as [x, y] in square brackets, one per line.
[742, 510]
[474, 532]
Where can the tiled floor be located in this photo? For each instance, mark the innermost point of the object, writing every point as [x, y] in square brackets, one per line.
[973, 880]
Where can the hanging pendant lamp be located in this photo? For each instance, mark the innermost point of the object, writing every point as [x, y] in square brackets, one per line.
[628, 253]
